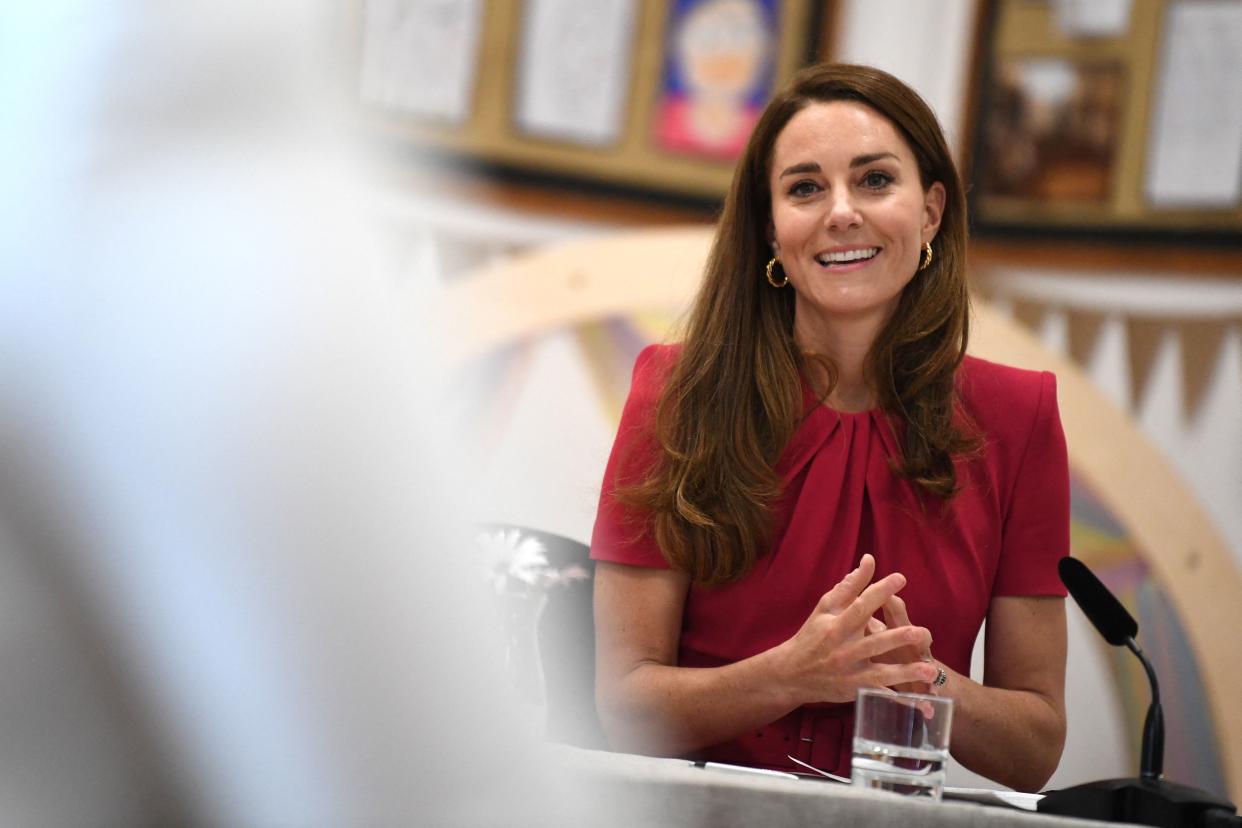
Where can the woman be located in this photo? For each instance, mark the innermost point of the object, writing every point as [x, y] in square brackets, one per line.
[820, 443]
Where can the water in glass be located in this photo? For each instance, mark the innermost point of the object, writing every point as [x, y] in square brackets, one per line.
[904, 770]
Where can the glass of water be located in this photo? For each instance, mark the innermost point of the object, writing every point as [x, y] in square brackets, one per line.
[901, 742]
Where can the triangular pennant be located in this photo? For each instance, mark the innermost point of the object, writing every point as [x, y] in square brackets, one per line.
[1143, 341]
[1202, 340]
[1084, 333]
[1029, 314]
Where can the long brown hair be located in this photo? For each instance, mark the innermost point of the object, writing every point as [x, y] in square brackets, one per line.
[734, 398]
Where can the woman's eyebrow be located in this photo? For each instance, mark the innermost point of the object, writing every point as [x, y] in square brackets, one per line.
[804, 167]
[858, 161]
[863, 160]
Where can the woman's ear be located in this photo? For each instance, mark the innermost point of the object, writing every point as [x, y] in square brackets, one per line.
[933, 210]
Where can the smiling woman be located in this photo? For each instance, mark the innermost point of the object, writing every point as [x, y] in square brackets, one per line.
[819, 443]
[850, 217]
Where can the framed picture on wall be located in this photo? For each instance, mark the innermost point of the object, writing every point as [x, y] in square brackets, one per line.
[575, 69]
[718, 72]
[1051, 131]
[1095, 121]
[420, 57]
[656, 96]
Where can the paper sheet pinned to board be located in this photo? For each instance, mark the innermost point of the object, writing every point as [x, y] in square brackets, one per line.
[421, 56]
[1195, 156]
[1093, 18]
[574, 75]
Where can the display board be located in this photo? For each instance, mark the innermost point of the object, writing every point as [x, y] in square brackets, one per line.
[1119, 117]
[641, 93]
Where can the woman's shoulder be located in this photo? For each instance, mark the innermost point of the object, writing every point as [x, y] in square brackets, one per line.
[659, 354]
[1002, 397]
[652, 368]
[983, 378]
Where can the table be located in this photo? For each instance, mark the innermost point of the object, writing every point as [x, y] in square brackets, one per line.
[647, 791]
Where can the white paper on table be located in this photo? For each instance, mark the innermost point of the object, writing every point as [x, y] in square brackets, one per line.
[420, 56]
[986, 796]
[1093, 18]
[1195, 156]
[574, 74]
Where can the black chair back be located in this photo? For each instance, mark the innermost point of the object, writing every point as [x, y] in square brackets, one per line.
[565, 631]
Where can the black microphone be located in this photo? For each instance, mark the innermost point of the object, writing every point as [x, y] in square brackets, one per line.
[1100, 606]
[1119, 628]
[1149, 799]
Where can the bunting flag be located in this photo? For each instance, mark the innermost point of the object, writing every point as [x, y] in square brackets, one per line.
[1200, 342]
[1030, 314]
[1143, 340]
[1084, 336]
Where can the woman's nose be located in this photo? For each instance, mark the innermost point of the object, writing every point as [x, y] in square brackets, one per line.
[842, 212]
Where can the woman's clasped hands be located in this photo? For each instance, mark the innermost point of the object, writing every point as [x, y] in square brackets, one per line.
[842, 645]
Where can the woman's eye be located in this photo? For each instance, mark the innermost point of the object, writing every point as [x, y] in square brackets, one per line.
[803, 189]
[876, 180]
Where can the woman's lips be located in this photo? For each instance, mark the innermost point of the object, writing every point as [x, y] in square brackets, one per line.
[847, 258]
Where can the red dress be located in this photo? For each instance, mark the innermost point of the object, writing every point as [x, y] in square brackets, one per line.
[1001, 536]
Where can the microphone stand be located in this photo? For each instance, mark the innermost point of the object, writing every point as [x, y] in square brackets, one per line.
[1149, 799]
[1151, 759]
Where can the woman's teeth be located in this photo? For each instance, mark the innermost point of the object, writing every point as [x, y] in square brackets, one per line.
[847, 256]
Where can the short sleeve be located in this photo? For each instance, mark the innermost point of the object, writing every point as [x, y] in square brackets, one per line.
[621, 534]
[1035, 534]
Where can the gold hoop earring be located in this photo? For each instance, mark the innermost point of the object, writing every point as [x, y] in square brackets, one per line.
[773, 263]
[925, 259]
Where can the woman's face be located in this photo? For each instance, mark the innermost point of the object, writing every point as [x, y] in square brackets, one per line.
[849, 212]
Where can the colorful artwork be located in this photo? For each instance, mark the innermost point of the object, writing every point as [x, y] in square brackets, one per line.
[610, 346]
[718, 74]
[1190, 751]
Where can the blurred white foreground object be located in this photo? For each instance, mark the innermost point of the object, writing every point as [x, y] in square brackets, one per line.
[230, 584]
